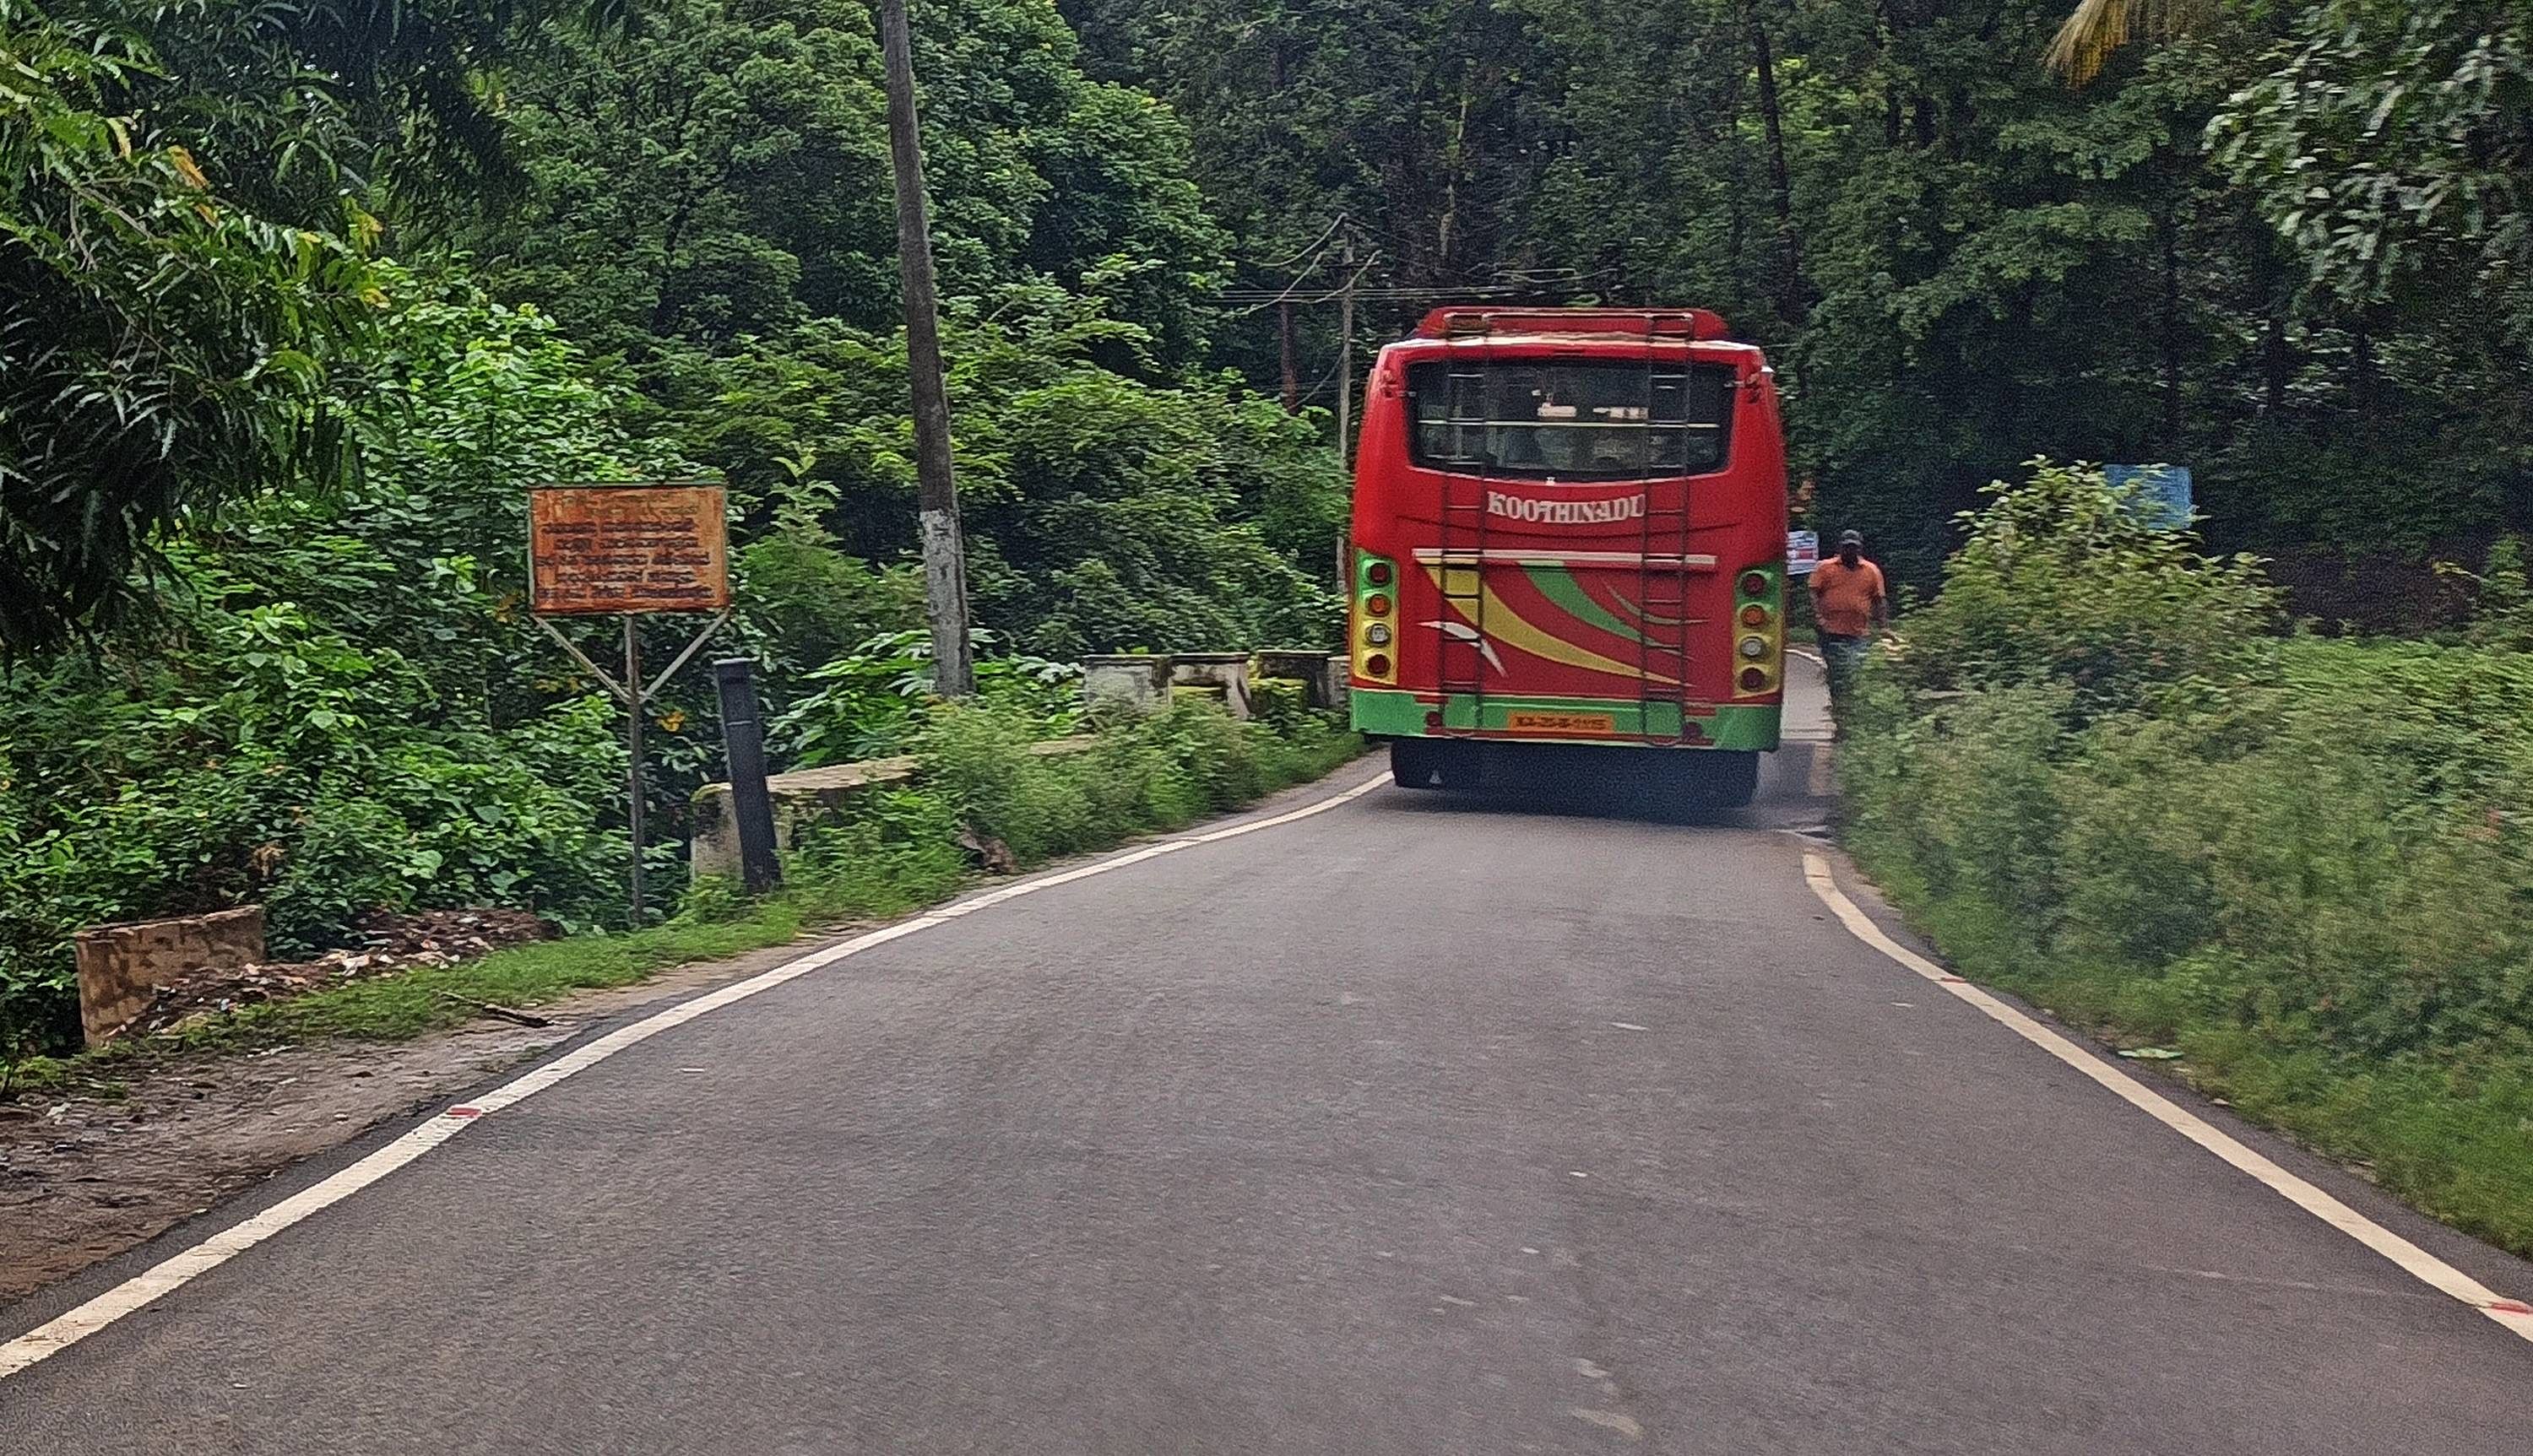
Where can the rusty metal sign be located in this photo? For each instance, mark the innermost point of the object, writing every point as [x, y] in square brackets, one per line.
[627, 548]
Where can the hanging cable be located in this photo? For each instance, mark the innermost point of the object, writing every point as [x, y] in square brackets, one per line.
[1310, 251]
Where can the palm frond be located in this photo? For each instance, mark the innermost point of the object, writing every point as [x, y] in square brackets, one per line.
[2097, 30]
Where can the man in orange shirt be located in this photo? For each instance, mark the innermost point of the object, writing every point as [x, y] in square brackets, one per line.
[1849, 604]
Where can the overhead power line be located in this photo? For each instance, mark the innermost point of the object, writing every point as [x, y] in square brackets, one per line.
[1311, 249]
[1259, 299]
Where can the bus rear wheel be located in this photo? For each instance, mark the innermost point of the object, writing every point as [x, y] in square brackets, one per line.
[1700, 782]
[1718, 778]
[1413, 763]
[1423, 762]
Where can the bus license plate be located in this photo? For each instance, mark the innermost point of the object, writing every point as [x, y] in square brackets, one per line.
[1561, 723]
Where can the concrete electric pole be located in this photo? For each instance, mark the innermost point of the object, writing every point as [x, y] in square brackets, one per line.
[945, 561]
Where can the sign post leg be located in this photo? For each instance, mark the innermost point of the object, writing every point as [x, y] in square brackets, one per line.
[633, 692]
[743, 733]
[634, 755]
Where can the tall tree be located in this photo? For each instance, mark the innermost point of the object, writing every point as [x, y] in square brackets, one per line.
[160, 348]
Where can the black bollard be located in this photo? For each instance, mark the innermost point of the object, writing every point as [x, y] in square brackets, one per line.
[742, 736]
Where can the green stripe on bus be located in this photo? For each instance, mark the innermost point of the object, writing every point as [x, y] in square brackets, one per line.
[1750, 726]
[1557, 585]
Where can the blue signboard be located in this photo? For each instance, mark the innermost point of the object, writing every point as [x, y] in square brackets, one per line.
[1803, 553]
[2163, 492]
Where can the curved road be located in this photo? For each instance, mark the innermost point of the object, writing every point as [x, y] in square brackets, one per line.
[1418, 1125]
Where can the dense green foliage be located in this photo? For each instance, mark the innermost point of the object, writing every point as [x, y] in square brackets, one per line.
[877, 701]
[889, 852]
[295, 300]
[1102, 512]
[332, 703]
[2301, 862]
[159, 348]
[300, 299]
[2286, 245]
[725, 176]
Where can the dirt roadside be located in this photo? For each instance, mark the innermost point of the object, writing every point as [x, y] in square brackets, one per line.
[85, 1177]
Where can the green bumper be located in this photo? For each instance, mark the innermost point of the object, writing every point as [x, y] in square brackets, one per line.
[1395, 714]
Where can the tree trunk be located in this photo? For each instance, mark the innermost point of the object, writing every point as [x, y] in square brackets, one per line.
[1454, 157]
[2275, 362]
[945, 560]
[2361, 367]
[2169, 340]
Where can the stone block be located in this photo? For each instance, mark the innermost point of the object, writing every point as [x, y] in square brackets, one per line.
[1212, 672]
[1323, 677]
[1133, 682]
[120, 968]
[798, 799]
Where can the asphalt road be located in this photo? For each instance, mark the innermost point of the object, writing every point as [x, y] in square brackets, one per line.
[1422, 1124]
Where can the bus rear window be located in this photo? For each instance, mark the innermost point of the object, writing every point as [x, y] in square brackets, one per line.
[1569, 419]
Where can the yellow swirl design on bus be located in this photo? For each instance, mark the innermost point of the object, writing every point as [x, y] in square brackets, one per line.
[1510, 627]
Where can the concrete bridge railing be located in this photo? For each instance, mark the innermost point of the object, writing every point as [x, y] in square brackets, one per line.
[1138, 682]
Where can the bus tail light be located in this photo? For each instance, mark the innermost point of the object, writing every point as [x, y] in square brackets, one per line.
[1375, 583]
[1758, 610]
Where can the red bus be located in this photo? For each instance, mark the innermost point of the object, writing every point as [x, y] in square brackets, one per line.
[1569, 543]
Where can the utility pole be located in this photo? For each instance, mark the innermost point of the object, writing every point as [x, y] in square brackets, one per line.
[1345, 359]
[945, 560]
[1791, 302]
[1289, 357]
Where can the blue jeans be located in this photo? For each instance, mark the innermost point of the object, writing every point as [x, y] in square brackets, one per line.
[1842, 654]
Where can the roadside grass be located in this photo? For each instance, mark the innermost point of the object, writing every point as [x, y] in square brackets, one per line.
[2450, 1138]
[2100, 771]
[894, 852]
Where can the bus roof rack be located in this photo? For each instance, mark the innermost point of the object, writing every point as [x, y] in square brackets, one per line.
[1479, 323]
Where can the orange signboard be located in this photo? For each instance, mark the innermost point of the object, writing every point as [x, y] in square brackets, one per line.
[623, 548]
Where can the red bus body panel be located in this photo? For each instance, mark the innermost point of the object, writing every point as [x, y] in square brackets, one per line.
[1613, 609]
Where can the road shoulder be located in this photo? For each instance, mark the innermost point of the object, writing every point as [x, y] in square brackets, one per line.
[2502, 1272]
[89, 1173]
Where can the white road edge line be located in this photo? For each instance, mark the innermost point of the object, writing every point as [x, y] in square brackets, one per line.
[2514, 1314]
[172, 1273]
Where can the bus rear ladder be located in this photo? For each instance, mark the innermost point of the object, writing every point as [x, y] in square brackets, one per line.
[1461, 660]
[1662, 582]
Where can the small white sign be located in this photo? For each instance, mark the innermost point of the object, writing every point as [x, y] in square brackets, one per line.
[1803, 553]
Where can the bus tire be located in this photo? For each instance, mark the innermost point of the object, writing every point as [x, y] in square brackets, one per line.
[1456, 765]
[1412, 763]
[1730, 780]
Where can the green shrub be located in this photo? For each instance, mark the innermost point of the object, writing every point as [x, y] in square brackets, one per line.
[898, 850]
[2063, 579]
[874, 702]
[2304, 863]
[1139, 773]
